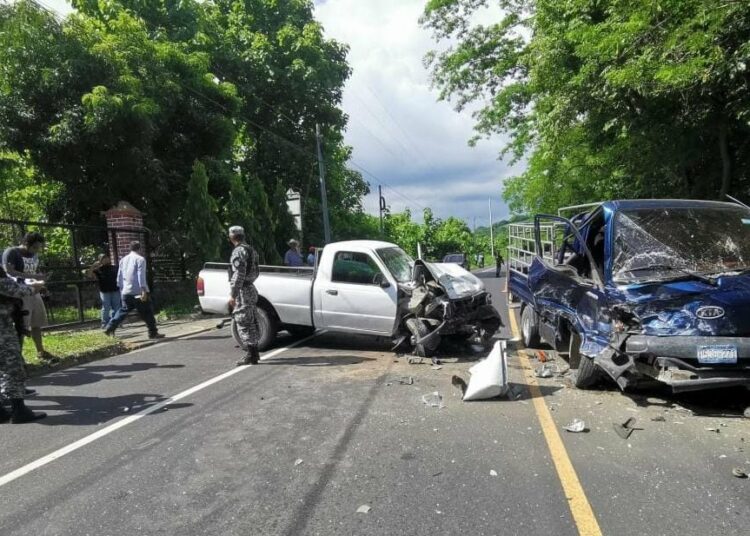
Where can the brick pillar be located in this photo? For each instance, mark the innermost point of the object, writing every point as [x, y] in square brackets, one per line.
[126, 225]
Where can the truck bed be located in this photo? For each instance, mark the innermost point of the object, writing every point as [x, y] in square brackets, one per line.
[291, 299]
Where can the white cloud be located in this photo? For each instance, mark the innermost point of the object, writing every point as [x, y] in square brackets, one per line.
[398, 129]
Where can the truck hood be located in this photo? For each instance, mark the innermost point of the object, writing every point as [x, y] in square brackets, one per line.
[457, 282]
[691, 307]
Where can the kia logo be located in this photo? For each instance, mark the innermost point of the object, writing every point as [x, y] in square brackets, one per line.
[709, 312]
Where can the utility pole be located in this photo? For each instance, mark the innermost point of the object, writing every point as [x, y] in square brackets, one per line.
[381, 205]
[492, 236]
[323, 195]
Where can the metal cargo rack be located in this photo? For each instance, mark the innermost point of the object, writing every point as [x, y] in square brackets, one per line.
[522, 246]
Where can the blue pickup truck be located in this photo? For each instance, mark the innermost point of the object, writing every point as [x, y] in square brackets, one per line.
[639, 290]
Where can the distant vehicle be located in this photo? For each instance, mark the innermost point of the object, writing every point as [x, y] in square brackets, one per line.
[457, 258]
[366, 287]
[639, 290]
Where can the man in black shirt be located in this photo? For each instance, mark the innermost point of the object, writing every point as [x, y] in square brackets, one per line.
[106, 278]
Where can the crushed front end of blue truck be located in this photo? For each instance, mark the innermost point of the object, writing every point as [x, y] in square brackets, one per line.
[644, 290]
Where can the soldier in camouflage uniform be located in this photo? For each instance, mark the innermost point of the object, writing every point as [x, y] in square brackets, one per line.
[12, 373]
[244, 265]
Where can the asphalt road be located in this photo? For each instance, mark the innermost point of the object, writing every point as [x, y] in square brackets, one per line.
[299, 443]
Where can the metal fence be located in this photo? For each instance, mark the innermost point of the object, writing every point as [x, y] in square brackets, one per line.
[72, 249]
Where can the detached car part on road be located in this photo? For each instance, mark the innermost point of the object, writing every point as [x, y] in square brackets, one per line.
[366, 287]
[639, 289]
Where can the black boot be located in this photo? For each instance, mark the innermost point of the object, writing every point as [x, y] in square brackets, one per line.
[22, 414]
[251, 357]
[254, 355]
[4, 415]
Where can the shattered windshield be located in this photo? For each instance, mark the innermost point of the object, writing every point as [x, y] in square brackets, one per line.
[398, 263]
[666, 243]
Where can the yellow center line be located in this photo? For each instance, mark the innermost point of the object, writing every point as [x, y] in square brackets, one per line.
[580, 508]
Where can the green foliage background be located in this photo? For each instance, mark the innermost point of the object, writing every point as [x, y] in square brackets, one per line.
[603, 98]
[201, 114]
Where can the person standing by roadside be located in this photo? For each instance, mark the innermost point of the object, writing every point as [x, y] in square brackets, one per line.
[131, 279]
[311, 256]
[244, 296]
[22, 263]
[106, 279]
[292, 257]
[12, 373]
[498, 263]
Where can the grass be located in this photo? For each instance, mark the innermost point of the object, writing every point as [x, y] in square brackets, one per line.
[73, 346]
[64, 315]
[179, 305]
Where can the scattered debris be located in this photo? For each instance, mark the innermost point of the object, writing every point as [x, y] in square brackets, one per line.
[543, 372]
[458, 381]
[746, 413]
[659, 418]
[364, 509]
[125, 409]
[541, 356]
[437, 367]
[625, 429]
[489, 377]
[434, 400]
[299, 461]
[739, 472]
[712, 429]
[493, 472]
[415, 360]
[576, 426]
[438, 473]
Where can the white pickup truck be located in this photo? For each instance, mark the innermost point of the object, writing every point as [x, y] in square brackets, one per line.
[366, 287]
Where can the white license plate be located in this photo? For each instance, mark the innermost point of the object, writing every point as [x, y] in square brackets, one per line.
[717, 353]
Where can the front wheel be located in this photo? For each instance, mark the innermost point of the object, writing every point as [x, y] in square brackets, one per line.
[419, 329]
[530, 328]
[585, 372]
[266, 330]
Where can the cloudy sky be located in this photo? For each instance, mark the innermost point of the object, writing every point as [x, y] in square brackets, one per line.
[413, 145]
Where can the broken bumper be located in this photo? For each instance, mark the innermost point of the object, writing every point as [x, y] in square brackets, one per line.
[674, 361]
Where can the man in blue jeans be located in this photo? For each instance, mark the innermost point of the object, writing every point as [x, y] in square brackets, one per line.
[106, 279]
[131, 278]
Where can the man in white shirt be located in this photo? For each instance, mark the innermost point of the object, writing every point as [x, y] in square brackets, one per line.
[131, 278]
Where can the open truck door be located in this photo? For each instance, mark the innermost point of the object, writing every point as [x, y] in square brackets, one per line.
[568, 291]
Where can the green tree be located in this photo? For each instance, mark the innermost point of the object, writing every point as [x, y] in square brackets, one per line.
[604, 98]
[200, 217]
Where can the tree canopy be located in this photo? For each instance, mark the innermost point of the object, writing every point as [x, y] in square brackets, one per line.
[177, 107]
[603, 98]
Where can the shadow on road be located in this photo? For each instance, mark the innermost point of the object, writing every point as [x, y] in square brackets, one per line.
[728, 402]
[318, 360]
[93, 373]
[90, 410]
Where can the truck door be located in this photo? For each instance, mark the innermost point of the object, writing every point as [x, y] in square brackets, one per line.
[359, 296]
[565, 279]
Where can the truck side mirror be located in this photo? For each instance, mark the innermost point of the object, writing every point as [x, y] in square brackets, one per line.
[381, 281]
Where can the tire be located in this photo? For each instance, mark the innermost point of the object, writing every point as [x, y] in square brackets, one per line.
[267, 327]
[585, 372]
[419, 329]
[530, 328]
[299, 332]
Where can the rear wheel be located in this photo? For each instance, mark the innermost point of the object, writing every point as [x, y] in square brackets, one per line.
[266, 329]
[530, 327]
[585, 372]
[419, 329]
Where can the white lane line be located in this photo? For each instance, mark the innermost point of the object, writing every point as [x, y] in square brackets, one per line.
[49, 458]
